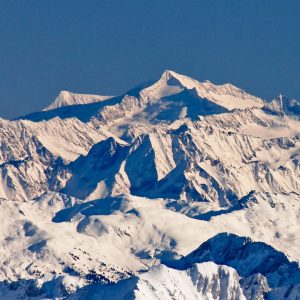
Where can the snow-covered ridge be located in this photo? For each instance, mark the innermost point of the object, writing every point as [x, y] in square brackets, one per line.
[171, 98]
[32, 151]
[66, 98]
[203, 281]
[188, 162]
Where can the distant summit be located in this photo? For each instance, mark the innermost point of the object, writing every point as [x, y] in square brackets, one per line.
[66, 98]
[172, 97]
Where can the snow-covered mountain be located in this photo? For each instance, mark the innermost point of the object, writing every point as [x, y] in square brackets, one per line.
[66, 98]
[178, 189]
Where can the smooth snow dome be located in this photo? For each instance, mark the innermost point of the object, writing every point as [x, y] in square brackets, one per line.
[177, 189]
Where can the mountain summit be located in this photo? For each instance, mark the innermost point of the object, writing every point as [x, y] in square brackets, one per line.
[68, 99]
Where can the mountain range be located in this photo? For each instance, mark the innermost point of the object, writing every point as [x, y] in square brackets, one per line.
[178, 189]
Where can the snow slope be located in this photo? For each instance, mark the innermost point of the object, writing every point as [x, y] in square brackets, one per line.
[113, 238]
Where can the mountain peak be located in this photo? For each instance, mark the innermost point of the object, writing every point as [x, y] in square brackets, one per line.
[226, 95]
[169, 73]
[66, 98]
[184, 81]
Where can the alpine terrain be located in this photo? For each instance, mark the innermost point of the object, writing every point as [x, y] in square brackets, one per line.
[178, 189]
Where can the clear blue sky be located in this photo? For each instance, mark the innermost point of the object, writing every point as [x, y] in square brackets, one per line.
[109, 46]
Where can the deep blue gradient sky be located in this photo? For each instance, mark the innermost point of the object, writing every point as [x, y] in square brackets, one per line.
[109, 46]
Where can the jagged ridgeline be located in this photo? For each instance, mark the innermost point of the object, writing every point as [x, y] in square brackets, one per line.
[178, 189]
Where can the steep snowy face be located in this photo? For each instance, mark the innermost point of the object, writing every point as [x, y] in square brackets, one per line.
[68, 99]
[250, 259]
[99, 174]
[66, 139]
[32, 153]
[202, 281]
[196, 162]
